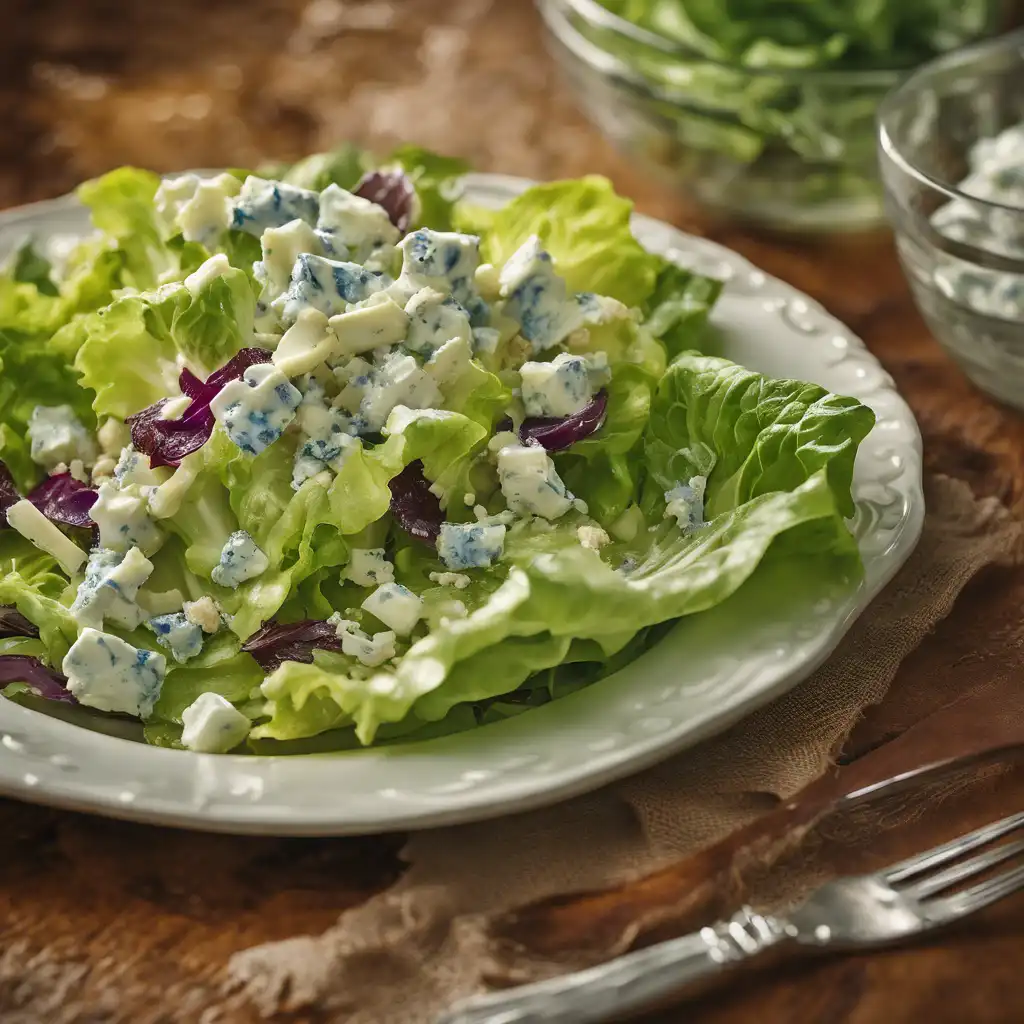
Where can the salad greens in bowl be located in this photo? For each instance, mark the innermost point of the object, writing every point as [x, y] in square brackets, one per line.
[336, 458]
[761, 109]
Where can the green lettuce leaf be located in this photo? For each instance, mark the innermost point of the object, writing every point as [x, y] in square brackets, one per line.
[585, 227]
[752, 433]
[677, 310]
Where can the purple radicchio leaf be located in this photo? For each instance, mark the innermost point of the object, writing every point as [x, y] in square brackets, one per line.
[415, 507]
[8, 493]
[22, 668]
[167, 442]
[394, 191]
[555, 435]
[13, 623]
[275, 642]
[64, 500]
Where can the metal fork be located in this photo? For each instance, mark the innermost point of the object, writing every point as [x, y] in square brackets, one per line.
[897, 903]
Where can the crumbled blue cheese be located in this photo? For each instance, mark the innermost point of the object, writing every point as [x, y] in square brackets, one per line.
[212, 725]
[370, 650]
[470, 545]
[207, 273]
[326, 285]
[376, 390]
[327, 436]
[396, 606]
[486, 340]
[556, 389]
[457, 580]
[26, 519]
[57, 435]
[376, 323]
[434, 318]
[531, 483]
[263, 204]
[184, 639]
[592, 537]
[449, 363]
[175, 408]
[356, 229]
[255, 410]
[121, 510]
[307, 344]
[368, 567]
[445, 262]
[240, 560]
[200, 208]
[685, 503]
[106, 673]
[110, 588]
[204, 613]
[113, 435]
[488, 281]
[538, 298]
[281, 247]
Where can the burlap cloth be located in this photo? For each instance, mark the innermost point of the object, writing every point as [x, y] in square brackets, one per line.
[407, 953]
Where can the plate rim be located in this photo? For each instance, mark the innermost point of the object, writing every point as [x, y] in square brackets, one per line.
[222, 793]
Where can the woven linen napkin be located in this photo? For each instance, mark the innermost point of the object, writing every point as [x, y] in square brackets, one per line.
[408, 953]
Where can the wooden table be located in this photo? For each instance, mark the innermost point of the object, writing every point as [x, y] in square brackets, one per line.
[110, 922]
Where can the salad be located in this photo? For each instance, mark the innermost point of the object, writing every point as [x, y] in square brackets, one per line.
[767, 107]
[326, 456]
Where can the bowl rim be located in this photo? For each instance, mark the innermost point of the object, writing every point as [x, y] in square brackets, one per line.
[595, 13]
[965, 55]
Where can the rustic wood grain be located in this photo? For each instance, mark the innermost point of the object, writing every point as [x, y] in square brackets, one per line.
[110, 922]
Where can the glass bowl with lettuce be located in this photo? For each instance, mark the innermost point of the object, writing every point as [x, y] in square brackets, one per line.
[334, 458]
[762, 110]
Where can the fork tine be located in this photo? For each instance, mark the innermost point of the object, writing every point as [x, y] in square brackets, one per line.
[955, 848]
[931, 884]
[978, 896]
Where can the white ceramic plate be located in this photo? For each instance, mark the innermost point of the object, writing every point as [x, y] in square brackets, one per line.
[700, 679]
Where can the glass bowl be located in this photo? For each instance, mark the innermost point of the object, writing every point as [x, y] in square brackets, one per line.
[951, 148]
[786, 149]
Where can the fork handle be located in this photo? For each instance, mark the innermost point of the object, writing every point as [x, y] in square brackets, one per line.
[630, 983]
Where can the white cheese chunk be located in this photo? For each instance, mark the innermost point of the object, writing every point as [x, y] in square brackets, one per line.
[184, 639]
[106, 673]
[207, 273]
[685, 503]
[307, 344]
[175, 408]
[434, 318]
[592, 537]
[398, 380]
[377, 323]
[443, 260]
[212, 725]
[396, 606]
[27, 520]
[556, 389]
[57, 435]
[113, 435]
[240, 560]
[263, 204]
[281, 247]
[326, 285]
[204, 613]
[255, 410]
[368, 567]
[109, 590]
[355, 228]
[488, 281]
[200, 208]
[470, 545]
[531, 483]
[122, 515]
[457, 580]
[537, 297]
[369, 650]
[450, 362]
